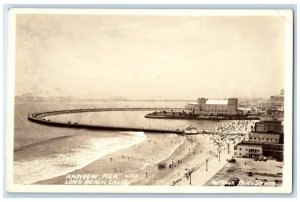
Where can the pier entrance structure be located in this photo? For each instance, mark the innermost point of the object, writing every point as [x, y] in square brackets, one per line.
[213, 107]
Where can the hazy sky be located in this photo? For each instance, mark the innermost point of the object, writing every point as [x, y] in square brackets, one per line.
[149, 57]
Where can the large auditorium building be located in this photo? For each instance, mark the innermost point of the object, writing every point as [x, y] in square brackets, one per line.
[205, 107]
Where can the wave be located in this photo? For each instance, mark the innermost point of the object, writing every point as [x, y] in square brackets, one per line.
[41, 142]
[47, 167]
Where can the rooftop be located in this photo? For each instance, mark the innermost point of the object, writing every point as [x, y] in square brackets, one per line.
[266, 135]
[269, 121]
[217, 102]
[257, 143]
[193, 103]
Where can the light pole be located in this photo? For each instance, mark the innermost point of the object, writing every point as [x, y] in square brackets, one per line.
[206, 164]
[219, 154]
[228, 147]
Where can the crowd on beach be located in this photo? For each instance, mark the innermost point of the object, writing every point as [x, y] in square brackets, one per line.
[220, 140]
[191, 154]
[224, 135]
[231, 127]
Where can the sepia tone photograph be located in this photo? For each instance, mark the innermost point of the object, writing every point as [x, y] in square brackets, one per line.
[171, 101]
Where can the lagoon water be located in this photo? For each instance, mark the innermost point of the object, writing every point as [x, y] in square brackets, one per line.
[43, 152]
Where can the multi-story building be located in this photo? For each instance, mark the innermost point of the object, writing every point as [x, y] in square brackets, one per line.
[257, 150]
[269, 127]
[277, 100]
[192, 108]
[214, 107]
[248, 149]
[273, 150]
[266, 140]
[264, 137]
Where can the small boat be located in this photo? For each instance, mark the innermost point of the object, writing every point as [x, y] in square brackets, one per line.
[190, 131]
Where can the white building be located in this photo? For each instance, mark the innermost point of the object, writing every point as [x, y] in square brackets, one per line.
[264, 137]
[213, 107]
[248, 149]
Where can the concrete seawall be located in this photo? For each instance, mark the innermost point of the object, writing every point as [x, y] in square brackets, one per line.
[40, 118]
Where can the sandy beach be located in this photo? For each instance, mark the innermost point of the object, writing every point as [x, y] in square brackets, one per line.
[139, 164]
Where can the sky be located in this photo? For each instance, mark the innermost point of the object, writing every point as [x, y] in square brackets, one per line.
[149, 57]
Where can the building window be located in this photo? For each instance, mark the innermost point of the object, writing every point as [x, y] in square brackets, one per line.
[240, 149]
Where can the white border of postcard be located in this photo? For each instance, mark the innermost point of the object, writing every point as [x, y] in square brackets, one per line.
[287, 170]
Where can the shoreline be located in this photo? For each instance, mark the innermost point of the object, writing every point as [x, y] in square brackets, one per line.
[126, 161]
[188, 151]
[181, 154]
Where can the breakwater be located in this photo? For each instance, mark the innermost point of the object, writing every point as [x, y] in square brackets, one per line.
[41, 118]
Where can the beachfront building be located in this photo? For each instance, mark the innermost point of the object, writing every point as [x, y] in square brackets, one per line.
[273, 115]
[265, 140]
[257, 150]
[213, 107]
[273, 126]
[273, 150]
[248, 149]
[267, 132]
[264, 137]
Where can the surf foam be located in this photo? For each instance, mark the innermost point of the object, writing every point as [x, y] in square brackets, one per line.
[28, 172]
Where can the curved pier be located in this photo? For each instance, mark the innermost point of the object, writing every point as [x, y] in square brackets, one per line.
[40, 118]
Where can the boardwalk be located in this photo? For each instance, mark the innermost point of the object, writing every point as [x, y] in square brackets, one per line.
[40, 118]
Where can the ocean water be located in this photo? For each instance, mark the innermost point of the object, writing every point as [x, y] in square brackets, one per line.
[43, 152]
[55, 163]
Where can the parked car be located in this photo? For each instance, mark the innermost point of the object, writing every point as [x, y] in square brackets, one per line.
[231, 160]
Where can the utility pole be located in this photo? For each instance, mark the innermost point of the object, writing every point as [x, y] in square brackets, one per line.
[228, 147]
[206, 164]
[219, 154]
